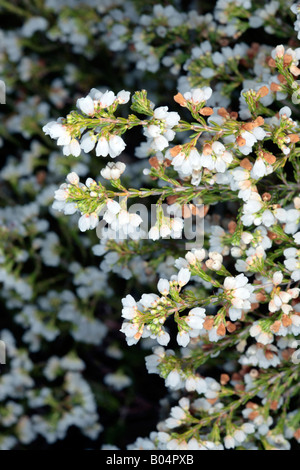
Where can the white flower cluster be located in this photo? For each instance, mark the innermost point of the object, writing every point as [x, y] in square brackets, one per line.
[160, 134]
[113, 171]
[118, 218]
[168, 227]
[134, 313]
[238, 292]
[296, 10]
[91, 105]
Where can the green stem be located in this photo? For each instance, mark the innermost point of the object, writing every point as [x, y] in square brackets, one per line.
[13, 9]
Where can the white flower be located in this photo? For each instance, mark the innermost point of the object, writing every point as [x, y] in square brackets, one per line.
[90, 182]
[239, 435]
[172, 119]
[102, 148]
[277, 278]
[183, 277]
[183, 338]
[285, 111]
[62, 193]
[118, 381]
[262, 337]
[160, 142]
[153, 361]
[94, 220]
[70, 208]
[250, 139]
[113, 170]
[292, 262]
[297, 238]
[123, 97]
[241, 181]
[191, 258]
[190, 384]
[218, 159]
[168, 118]
[163, 286]
[113, 206]
[195, 159]
[154, 233]
[107, 99]
[176, 225]
[88, 142]
[279, 300]
[88, 221]
[86, 105]
[255, 329]
[173, 380]
[153, 131]
[229, 442]
[163, 338]
[131, 331]
[200, 254]
[116, 145]
[215, 261]
[195, 318]
[73, 148]
[161, 112]
[259, 169]
[160, 134]
[176, 418]
[56, 130]
[73, 178]
[268, 218]
[251, 208]
[247, 237]
[149, 300]
[238, 292]
[130, 308]
[84, 222]
[164, 231]
[198, 95]
[135, 220]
